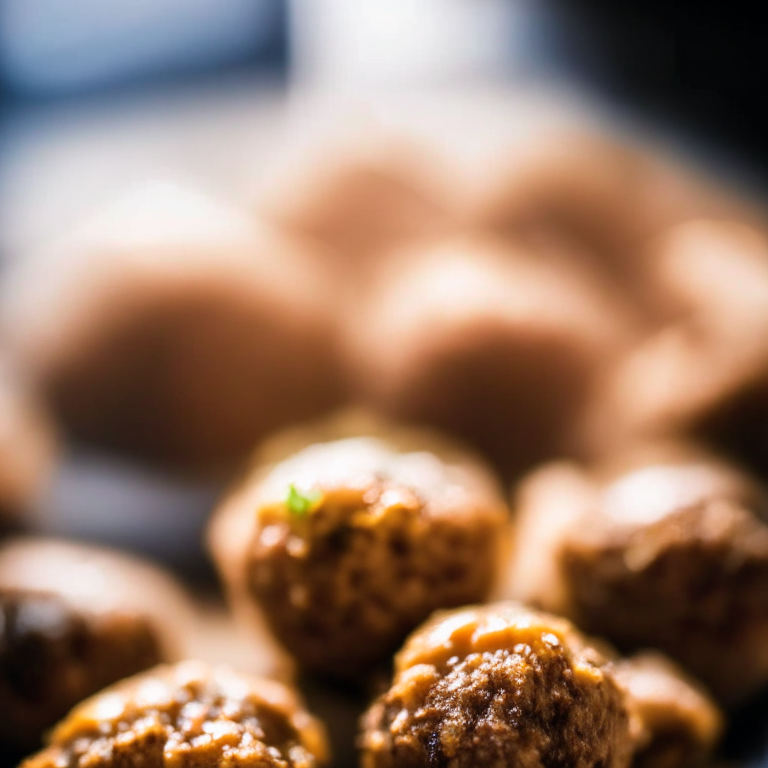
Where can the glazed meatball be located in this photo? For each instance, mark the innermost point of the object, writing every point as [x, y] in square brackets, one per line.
[704, 374]
[175, 330]
[670, 553]
[348, 545]
[498, 345]
[74, 619]
[188, 714]
[27, 449]
[681, 722]
[500, 685]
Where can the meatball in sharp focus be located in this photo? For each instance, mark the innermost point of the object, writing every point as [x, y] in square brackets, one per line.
[73, 619]
[347, 545]
[501, 684]
[189, 714]
[668, 552]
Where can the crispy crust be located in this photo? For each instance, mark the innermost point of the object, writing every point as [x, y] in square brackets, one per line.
[500, 685]
[188, 715]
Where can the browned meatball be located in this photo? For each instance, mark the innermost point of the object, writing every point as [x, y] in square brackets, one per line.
[72, 620]
[173, 329]
[705, 372]
[498, 345]
[187, 715]
[601, 192]
[51, 657]
[672, 553]
[348, 545]
[358, 195]
[504, 685]
[571, 184]
[500, 685]
[682, 724]
[27, 449]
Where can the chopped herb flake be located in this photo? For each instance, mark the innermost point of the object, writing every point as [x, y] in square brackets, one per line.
[301, 504]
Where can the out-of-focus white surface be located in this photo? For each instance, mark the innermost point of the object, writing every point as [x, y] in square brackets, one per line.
[58, 164]
[348, 43]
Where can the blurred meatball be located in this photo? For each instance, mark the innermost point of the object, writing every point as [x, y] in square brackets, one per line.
[494, 344]
[218, 637]
[175, 330]
[682, 724]
[348, 545]
[570, 184]
[669, 552]
[501, 684]
[359, 195]
[27, 449]
[705, 373]
[603, 193]
[189, 714]
[73, 619]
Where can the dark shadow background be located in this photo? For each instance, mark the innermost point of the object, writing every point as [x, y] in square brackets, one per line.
[700, 67]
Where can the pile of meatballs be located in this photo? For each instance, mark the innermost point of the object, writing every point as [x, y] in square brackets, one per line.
[495, 436]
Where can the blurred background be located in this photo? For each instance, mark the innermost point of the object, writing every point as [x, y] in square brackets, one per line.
[181, 83]
[96, 97]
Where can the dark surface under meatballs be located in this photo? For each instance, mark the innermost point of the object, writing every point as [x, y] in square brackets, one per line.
[188, 715]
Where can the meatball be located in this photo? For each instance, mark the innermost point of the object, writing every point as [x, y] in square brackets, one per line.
[670, 553]
[704, 373]
[682, 724]
[500, 685]
[74, 619]
[175, 330]
[358, 195]
[498, 345]
[347, 545]
[572, 184]
[188, 714]
[27, 449]
[607, 195]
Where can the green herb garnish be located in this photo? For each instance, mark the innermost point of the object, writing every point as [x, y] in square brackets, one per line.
[301, 504]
